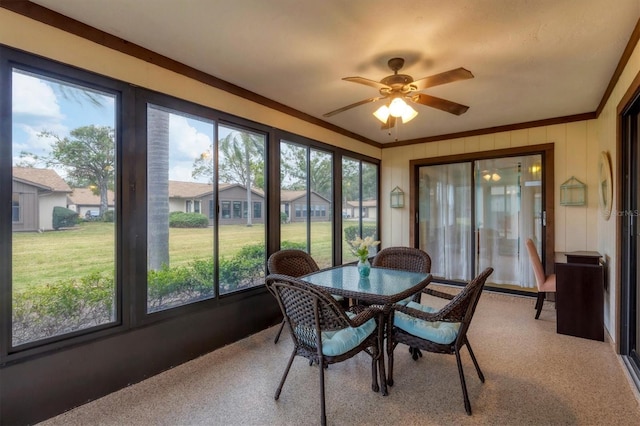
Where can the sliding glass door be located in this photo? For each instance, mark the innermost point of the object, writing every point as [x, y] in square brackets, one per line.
[445, 218]
[476, 214]
[630, 239]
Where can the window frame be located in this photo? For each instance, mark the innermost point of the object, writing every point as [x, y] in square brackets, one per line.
[130, 265]
[11, 59]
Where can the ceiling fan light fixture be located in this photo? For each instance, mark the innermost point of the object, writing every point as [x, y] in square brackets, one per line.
[397, 107]
[408, 114]
[382, 113]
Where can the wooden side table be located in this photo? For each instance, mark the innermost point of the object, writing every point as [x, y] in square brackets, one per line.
[580, 295]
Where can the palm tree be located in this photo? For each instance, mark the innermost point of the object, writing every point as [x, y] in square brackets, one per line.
[241, 161]
[157, 187]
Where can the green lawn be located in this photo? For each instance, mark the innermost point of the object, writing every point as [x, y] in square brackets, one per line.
[42, 258]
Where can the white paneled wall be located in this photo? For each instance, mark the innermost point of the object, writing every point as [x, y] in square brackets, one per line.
[577, 148]
[576, 154]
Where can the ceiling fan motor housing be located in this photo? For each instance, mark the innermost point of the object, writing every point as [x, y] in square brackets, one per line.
[397, 82]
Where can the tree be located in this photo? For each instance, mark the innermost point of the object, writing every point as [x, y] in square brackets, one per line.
[293, 165]
[88, 157]
[241, 161]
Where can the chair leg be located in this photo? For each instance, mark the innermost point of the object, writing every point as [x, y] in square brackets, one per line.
[323, 413]
[475, 362]
[380, 357]
[540, 302]
[467, 404]
[390, 348]
[284, 376]
[279, 331]
[375, 361]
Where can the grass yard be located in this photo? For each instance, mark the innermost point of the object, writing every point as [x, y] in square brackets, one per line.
[44, 258]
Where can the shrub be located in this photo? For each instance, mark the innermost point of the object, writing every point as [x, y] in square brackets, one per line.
[69, 305]
[64, 218]
[187, 220]
[292, 245]
[284, 218]
[109, 216]
[62, 307]
[351, 232]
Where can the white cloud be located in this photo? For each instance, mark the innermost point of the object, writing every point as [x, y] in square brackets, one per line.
[181, 171]
[34, 97]
[185, 141]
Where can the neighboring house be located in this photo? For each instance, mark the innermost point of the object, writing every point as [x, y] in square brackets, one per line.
[367, 211]
[35, 193]
[83, 201]
[193, 197]
[294, 205]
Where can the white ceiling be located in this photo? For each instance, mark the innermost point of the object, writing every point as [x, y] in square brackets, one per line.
[532, 60]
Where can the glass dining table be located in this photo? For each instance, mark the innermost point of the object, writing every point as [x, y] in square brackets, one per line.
[382, 287]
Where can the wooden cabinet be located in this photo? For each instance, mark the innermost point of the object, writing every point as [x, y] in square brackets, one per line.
[580, 296]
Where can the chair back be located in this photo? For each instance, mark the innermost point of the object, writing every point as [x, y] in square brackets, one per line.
[536, 264]
[405, 258]
[462, 307]
[309, 310]
[291, 262]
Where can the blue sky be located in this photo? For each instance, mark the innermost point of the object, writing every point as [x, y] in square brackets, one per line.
[41, 105]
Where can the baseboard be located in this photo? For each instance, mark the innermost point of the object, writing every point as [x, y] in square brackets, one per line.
[632, 375]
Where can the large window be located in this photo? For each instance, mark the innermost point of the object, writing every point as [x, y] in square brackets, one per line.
[242, 243]
[359, 204]
[306, 180]
[130, 207]
[180, 250]
[63, 266]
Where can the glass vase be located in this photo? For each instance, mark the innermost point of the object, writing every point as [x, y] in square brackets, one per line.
[364, 267]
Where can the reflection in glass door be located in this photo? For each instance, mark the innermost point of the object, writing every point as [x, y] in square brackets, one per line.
[508, 210]
[479, 213]
[445, 219]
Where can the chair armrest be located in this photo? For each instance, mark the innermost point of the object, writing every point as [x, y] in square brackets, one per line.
[426, 316]
[363, 314]
[437, 293]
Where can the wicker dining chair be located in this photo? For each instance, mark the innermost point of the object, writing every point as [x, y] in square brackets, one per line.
[323, 332]
[440, 331]
[405, 258]
[408, 259]
[294, 263]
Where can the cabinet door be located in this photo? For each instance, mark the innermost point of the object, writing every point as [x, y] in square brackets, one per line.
[580, 300]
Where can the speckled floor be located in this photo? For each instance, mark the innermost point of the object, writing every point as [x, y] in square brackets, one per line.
[533, 377]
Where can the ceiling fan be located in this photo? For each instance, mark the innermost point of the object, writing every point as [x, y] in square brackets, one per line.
[401, 87]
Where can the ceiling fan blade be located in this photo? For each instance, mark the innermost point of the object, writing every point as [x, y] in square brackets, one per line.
[344, 108]
[441, 104]
[367, 82]
[391, 121]
[442, 78]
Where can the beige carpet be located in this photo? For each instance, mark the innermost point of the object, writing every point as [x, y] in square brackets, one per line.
[533, 376]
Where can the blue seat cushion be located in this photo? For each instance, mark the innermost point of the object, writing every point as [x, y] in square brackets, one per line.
[336, 343]
[438, 331]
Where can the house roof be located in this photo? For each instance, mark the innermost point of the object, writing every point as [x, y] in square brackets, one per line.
[46, 179]
[86, 197]
[365, 203]
[179, 189]
[289, 196]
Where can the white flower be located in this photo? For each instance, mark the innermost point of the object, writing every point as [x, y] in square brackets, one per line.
[361, 247]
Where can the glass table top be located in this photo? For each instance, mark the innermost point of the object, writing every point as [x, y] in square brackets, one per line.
[381, 281]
